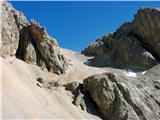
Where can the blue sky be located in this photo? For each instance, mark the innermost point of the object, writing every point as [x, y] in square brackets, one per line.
[77, 24]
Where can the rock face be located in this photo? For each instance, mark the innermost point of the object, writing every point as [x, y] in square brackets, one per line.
[29, 41]
[12, 22]
[36, 46]
[147, 26]
[77, 90]
[74, 87]
[115, 97]
[120, 98]
[134, 45]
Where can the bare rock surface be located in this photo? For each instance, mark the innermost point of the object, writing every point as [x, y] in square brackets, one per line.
[121, 94]
[11, 22]
[134, 45]
[29, 41]
[146, 25]
[120, 98]
[36, 46]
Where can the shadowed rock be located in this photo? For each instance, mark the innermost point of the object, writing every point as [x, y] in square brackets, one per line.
[134, 45]
[36, 46]
[121, 98]
[146, 25]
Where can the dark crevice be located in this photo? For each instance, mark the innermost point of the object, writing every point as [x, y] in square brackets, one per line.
[38, 54]
[158, 102]
[26, 39]
[21, 51]
[40, 60]
[91, 106]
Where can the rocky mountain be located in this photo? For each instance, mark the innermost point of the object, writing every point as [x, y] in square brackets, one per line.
[29, 41]
[117, 77]
[135, 44]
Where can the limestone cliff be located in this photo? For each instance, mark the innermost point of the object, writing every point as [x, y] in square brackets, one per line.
[29, 41]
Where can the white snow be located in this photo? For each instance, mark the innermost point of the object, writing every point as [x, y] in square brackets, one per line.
[143, 73]
[130, 73]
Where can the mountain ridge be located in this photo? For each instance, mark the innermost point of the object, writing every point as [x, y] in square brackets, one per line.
[116, 78]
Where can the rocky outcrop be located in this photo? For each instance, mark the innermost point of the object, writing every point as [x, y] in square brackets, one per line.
[146, 25]
[12, 22]
[121, 98]
[111, 96]
[97, 48]
[48, 84]
[29, 41]
[133, 45]
[77, 90]
[74, 87]
[81, 98]
[36, 46]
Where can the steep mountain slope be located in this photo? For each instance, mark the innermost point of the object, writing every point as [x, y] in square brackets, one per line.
[40, 80]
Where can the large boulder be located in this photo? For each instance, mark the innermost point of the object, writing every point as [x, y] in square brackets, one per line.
[121, 98]
[134, 45]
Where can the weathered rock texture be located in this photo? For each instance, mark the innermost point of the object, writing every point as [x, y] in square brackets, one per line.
[12, 22]
[146, 25]
[29, 41]
[120, 98]
[77, 90]
[36, 46]
[134, 45]
[82, 99]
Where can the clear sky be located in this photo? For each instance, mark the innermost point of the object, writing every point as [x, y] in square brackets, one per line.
[77, 24]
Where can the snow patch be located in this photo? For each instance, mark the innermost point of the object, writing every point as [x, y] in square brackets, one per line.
[143, 73]
[130, 73]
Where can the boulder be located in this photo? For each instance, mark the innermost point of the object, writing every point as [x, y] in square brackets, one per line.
[121, 98]
[79, 97]
[74, 87]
